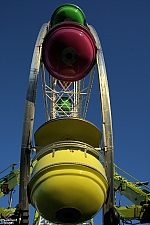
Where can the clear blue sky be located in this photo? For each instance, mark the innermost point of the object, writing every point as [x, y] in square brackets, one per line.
[124, 30]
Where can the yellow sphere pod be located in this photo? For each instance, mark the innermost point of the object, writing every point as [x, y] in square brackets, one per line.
[68, 186]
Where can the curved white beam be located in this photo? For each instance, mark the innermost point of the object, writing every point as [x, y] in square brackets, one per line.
[106, 122]
[28, 126]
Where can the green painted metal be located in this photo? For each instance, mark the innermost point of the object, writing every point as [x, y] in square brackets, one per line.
[65, 104]
[129, 212]
[6, 213]
[68, 12]
[131, 190]
[138, 193]
[135, 212]
[10, 180]
[36, 218]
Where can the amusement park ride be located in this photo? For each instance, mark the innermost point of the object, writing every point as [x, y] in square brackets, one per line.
[72, 175]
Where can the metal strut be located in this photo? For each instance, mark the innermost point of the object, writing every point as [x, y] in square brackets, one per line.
[111, 217]
[28, 126]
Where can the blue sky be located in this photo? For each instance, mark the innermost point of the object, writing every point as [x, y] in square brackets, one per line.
[124, 31]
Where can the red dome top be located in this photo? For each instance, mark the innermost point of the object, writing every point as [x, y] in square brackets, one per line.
[69, 51]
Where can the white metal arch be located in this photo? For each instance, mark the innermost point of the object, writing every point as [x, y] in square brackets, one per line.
[80, 95]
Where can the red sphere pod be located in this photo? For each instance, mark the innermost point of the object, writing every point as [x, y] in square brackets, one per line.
[69, 51]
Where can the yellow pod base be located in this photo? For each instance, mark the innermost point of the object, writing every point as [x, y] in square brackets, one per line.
[68, 187]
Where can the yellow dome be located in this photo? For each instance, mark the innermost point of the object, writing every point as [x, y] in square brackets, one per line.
[68, 186]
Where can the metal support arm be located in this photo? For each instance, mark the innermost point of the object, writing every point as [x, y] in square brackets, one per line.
[107, 129]
[28, 126]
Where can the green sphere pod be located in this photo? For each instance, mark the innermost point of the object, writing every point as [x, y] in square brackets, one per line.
[68, 12]
[65, 103]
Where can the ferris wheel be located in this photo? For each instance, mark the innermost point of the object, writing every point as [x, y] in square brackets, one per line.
[72, 176]
[69, 183]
